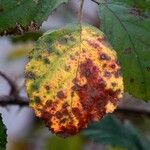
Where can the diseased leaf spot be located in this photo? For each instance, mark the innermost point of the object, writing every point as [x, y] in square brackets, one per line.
[148, 68]
[59, 115]
[128, 51]
[104, 65]
[67, 68]
[37, 99]
[1, 9]
[117, 73]
[104, 56]
[47, 87]
[93, 44]
[131, 80]
[101, 39]
[114, 84]
[30, 75]
[61, 95]
[34, 87]
[107, 74]
[46, 61]
[113, 65]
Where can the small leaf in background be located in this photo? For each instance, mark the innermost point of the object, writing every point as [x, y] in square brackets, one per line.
[111, 131]
[19, 51]
[26, 37]
[19, 16]
[128, 30]
[57, 143]
[3, 136]
[73, 78]
[142, 4]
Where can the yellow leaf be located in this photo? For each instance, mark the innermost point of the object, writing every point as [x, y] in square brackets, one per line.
[72, 78]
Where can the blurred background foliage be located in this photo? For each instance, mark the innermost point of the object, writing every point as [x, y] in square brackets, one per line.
[120, 131]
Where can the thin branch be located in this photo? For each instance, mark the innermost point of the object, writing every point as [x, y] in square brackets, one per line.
[135, 111]
[12, 100]
[12, 84]
[95, 1]
[80, 12]
[15, 99]
[23, 102]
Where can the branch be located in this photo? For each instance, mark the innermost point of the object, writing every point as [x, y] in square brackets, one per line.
[95, 1]
[7, 100]
[135, 111]
[15, 99]
[23, 102]
[12, 84]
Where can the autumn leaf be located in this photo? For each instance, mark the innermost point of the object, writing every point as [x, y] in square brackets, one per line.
[72, 78]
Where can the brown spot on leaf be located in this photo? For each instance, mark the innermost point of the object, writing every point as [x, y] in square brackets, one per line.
[67, 68]
[114, 84]
[46, 61]
[59, 115]
[1, 9]
[61, 95]
[117, 74]
[47, 87]
[131, 80]
[104, 56]
[93, 44]
[107, 74]
[101, 39]
[113, 65]
[37, 99]
[127, 51]
[30, 75]
[104, 65]
[148, 68]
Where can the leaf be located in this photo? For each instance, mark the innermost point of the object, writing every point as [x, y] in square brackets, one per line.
[19, 16]
[3, 136]
[19, 51]
[111, 131]
[29, 36]
[142, 4]
[56, 143]
[129, 34]
[73, 78]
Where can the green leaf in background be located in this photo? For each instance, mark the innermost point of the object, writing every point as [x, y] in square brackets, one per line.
[29, 36]
[3, 136]
[20, 51]
[18, 16]
[111, 131]
[142, 4]
[57, 143]
[129, 33]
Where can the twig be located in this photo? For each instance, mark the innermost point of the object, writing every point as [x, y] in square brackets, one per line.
[15, 99]
[135, 111]
[23, 102]
[11, 100]
[12, 84]
[95, 1]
